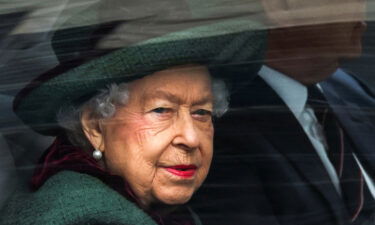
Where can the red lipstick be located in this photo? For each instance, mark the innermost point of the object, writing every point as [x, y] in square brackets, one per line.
[185, 171]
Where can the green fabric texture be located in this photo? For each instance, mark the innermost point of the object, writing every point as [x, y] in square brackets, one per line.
[72, 198]
[226, 43]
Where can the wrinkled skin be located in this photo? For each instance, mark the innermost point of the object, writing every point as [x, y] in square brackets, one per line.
[166, 122]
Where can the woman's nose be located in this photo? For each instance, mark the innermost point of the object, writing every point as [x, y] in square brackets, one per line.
[186, 136]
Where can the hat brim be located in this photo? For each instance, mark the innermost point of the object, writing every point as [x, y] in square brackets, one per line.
[225, 43]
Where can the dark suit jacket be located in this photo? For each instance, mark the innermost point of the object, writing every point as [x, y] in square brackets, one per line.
[265, 169]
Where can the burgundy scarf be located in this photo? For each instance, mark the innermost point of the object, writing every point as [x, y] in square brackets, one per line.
[62, 155]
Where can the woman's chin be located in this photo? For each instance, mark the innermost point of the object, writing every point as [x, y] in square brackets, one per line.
[177, 201]
[177, 198]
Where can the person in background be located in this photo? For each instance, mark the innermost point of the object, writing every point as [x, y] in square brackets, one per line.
[298, 143]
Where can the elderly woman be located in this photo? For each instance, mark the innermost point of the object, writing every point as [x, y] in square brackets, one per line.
[155, 132]
[133, 126]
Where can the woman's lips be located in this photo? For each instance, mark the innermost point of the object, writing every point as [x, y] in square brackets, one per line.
[185, 171]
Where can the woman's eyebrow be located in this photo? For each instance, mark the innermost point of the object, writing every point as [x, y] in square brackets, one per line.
[208, 99]
[162, 95]
[175, 99]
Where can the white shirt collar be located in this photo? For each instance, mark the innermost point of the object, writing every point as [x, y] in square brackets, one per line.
[292, 92]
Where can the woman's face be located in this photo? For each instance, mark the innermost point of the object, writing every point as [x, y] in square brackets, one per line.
[161, 140]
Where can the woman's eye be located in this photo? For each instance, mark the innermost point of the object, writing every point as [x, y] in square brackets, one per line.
[161, 110]
[202, 114]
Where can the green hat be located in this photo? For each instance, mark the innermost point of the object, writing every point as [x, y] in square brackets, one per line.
[226, 43]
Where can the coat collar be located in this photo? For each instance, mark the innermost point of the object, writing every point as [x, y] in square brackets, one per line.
[356, 124]
[292, 92]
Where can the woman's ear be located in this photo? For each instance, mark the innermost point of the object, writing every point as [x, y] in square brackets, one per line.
[92, 129]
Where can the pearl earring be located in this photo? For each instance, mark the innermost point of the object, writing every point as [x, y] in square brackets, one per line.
[97, 154]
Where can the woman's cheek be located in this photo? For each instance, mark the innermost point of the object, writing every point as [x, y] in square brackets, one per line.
[148, 142]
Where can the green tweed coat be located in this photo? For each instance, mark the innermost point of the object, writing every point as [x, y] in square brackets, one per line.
[72, 198]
